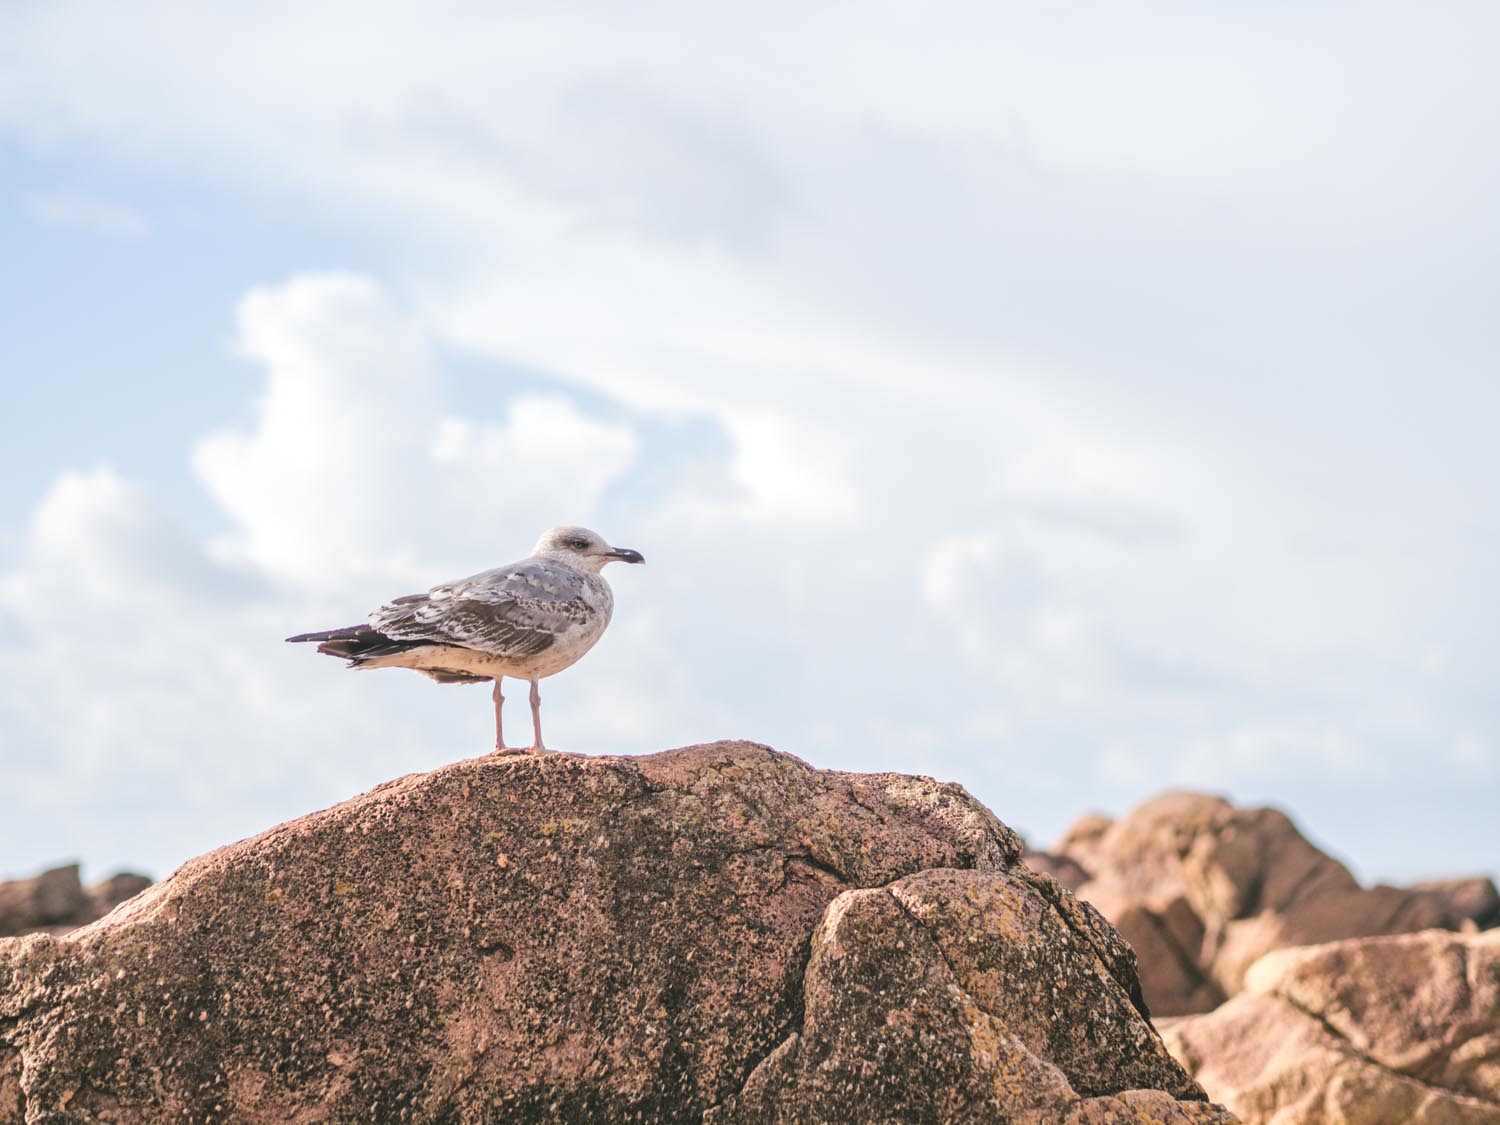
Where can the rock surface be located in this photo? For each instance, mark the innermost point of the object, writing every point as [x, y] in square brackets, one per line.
[968, 996]
[1385, 1029]
[56, 901]
[1201, 889]
[718, 932]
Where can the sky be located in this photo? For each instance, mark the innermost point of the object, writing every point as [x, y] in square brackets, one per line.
[1073, 401]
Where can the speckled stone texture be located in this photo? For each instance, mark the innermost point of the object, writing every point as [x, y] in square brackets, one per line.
[596, 939]
[969, 996]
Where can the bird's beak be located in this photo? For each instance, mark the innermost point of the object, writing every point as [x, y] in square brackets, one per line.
[625, 554]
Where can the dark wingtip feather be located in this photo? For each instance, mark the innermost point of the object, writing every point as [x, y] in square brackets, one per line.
[356, 643]
[357, 633]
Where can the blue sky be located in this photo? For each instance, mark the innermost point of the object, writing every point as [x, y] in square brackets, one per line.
[1071, 403]
[118, 328]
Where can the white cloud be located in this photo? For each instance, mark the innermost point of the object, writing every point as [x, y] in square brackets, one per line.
[354, 473]
[351, 405]
[546, 458]
[97, 540]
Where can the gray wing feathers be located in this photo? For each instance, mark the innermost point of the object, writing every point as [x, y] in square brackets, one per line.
[514, 611]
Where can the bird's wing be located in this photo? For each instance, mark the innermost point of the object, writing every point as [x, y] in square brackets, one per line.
[514, 611]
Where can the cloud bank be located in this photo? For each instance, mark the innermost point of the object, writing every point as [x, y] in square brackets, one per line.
[1069, 410]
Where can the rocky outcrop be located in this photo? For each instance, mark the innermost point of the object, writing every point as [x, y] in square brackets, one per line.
[1386, 1029]
[1201, 889]
[57, 901]
[967, 996]
[719, 932]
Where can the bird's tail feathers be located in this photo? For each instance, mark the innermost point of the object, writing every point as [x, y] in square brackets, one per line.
[364, 647]
[355, 643]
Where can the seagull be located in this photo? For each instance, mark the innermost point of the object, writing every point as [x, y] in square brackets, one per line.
[528, 620]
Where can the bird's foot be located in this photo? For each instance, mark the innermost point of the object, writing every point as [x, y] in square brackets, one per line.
[506, 751]
[537, 748]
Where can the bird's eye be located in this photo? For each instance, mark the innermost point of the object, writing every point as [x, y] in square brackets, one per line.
[579, 544]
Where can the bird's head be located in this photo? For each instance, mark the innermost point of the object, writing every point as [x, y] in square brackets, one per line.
[582, 549]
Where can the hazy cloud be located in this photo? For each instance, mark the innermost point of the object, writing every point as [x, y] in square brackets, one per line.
[86, 212]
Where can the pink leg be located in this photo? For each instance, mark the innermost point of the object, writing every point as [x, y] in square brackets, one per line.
[536, 719]
[499, 704]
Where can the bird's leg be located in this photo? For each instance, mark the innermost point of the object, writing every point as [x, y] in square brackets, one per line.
[536, 719]
[499, 704]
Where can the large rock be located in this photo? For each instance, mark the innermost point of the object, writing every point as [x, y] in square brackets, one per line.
[57, 901]
[968, 996]
[717, 931]
[1201, 889]
[1371, 1030]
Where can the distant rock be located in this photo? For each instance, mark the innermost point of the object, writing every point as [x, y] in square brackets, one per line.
[716, 933]
[1201, 889]
[1065, 869]
[1384, 1029]
[56, 901]
[1472, 903]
